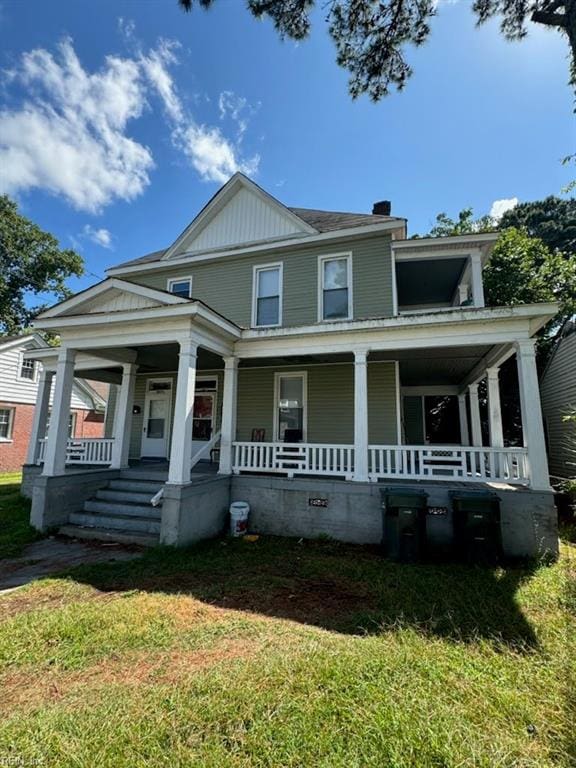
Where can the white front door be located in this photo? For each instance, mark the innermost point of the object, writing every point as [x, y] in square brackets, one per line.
[203, 424]
[156, 427]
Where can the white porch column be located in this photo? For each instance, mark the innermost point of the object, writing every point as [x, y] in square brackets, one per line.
[532, 425]
[123, 417]
[228, 430]
[40, 414]
[494, 410]
[55, 456]
[477, 286]
[360, 416]
[463, 414]
[181, 447]
[475, 415]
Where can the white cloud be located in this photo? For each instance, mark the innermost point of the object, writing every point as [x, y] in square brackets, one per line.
[100, 236]
[499, 207]
[69, 136]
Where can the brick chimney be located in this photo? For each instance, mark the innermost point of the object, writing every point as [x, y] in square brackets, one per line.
[382, 208]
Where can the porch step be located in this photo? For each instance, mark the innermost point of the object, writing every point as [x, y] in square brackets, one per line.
[115, 522]
[148, 475]
[103, 534]
[136, 486]
[120, 496]
[122, 509]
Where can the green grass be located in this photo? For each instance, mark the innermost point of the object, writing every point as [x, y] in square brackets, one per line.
[285, 653]
[15, 530]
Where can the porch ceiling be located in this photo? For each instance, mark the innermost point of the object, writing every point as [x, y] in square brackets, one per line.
[442, 278]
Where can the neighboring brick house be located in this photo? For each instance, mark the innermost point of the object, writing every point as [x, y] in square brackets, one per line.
[18, 393]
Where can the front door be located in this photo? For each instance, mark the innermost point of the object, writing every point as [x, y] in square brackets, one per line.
[157, 406]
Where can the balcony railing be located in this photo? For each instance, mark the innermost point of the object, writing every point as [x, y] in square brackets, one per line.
[406, 462]
[85, 450]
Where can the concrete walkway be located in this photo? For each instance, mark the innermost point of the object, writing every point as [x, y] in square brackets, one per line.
[53, 555]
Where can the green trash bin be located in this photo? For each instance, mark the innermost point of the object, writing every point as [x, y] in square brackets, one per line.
[477, 534]
[404, 529]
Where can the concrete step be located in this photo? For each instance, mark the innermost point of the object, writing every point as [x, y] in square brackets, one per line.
[147, 475]
[103, 534]
[136, 486]
[133, 497]
[122, 508]
[115, 522]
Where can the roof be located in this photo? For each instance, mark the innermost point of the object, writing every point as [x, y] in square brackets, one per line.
[323, 221]
[330, 221]
[11, 341]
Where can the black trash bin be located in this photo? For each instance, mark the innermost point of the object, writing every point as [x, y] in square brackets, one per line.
[404, 511]
[477, 534]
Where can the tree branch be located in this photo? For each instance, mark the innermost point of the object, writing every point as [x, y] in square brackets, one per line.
[549, 19]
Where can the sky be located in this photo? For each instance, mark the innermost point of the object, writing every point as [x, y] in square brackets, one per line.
[119, 119]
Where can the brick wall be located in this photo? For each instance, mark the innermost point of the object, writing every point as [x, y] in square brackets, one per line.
[13, 453]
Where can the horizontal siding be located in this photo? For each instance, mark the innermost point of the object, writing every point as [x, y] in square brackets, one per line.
[16, 390]
[226, 285]
[330, 403]
[139, 400]
[558, 393]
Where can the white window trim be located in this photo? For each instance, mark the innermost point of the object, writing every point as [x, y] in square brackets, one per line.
[332, 257]
[183, 279]
[214, 393]
[261, 268]
[73, 424]
[23, 378]
[291, 374]
[12, 413]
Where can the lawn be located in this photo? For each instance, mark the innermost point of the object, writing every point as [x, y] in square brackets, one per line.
[286, 653]
[15, 531]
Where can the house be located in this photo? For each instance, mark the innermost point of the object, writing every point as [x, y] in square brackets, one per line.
[305, 353]
[20, 379]
[558, 389]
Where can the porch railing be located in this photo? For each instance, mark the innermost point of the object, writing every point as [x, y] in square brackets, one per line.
[406, 462]
[463, 463]
[294, 458]
[85, 450]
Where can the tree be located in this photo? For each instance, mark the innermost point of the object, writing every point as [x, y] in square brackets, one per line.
[466, 224]
[553, 220]
[523, 270]
[31, 262]
[371, 35]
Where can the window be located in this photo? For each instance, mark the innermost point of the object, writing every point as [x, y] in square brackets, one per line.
[6, 423]
[291, 411]
[335, 273]
[71, 425]
[28, 369]
[181, 286]
[267, 305]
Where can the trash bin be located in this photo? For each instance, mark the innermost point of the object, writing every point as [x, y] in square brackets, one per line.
[239, 511]
[477, 534]
[404, 526]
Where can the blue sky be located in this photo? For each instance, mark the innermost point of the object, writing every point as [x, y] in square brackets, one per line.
[120, 118]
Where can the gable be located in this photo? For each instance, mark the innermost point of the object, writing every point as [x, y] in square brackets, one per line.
[239, 214]
[113, 300]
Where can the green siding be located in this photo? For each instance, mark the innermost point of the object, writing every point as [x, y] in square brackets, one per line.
[139, 399]
[330, 403]
[226, 284]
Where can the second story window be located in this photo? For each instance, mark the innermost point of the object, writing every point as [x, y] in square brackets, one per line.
[335, 279]
[28, 370]
[267, 303]
[181, 286]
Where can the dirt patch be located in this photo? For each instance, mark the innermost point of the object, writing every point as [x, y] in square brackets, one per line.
[26, 689]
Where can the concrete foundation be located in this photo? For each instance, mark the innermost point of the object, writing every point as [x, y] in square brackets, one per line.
[195, 511]
[55, 498]
[352, 512]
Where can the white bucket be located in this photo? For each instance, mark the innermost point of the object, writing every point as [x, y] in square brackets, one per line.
[239, 511]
